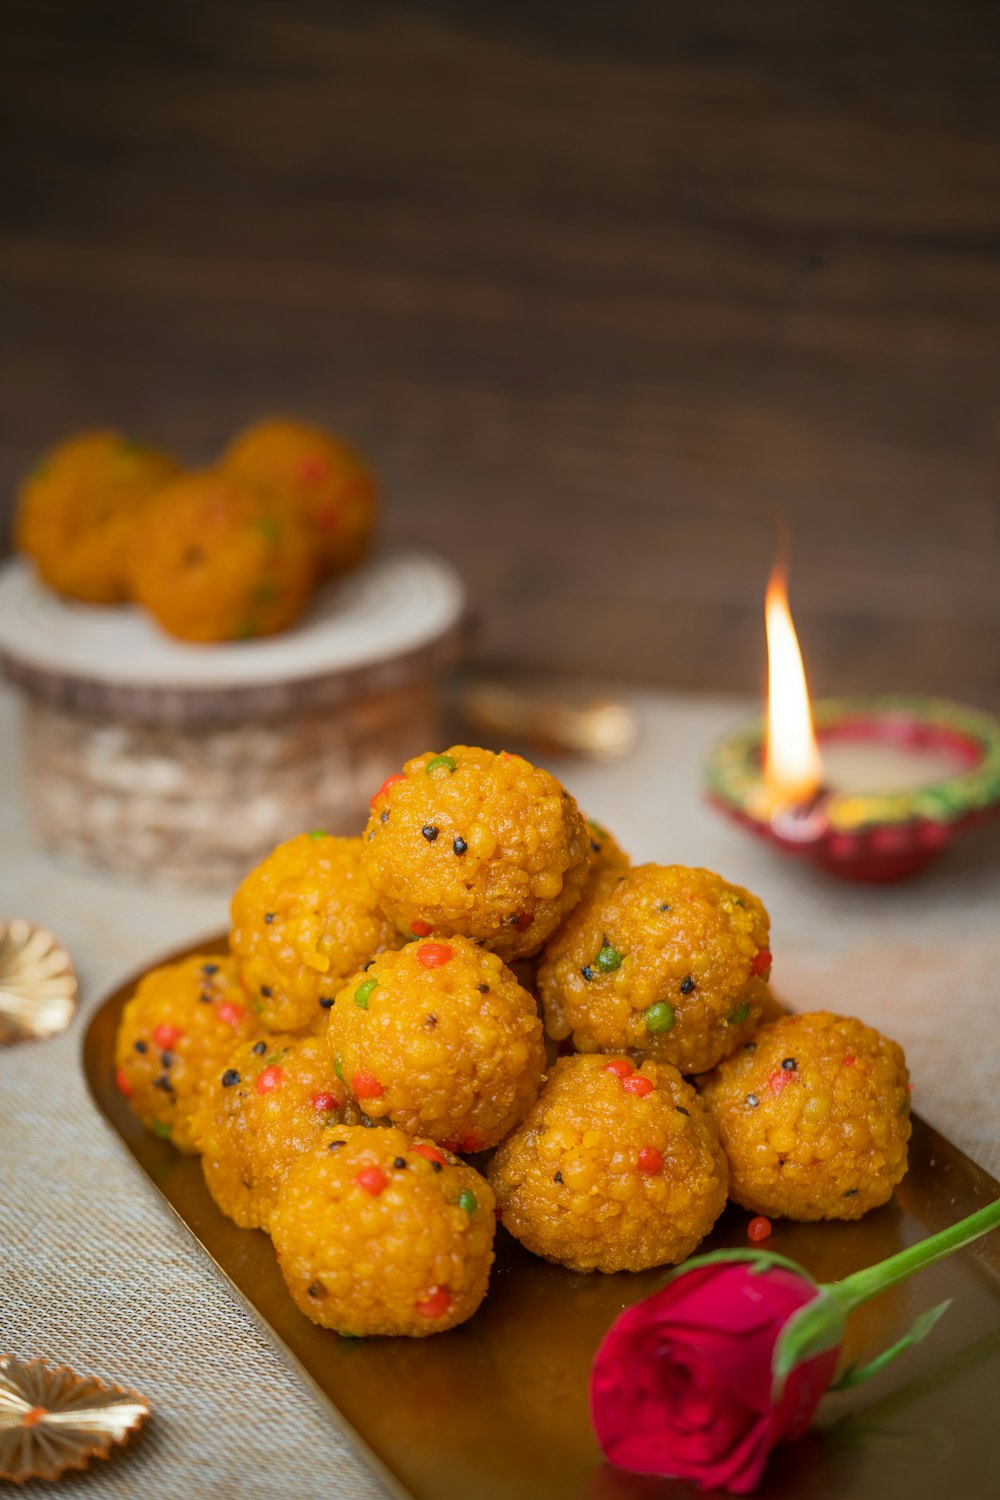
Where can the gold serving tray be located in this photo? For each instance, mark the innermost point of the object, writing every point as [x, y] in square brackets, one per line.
[498, 1408]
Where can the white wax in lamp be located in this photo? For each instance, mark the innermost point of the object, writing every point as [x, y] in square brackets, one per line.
[874, 766]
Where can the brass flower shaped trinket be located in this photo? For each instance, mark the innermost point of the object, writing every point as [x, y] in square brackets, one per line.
[53, 1420]
[37, 983]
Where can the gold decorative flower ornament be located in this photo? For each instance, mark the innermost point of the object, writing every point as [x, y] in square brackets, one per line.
[37, 983]
[53, 1420]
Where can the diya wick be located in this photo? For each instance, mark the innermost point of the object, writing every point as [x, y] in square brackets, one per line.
[868, 788]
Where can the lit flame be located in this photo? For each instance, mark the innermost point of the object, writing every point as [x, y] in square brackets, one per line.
[792, 766]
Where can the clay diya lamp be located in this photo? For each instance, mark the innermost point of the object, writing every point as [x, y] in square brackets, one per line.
[867, 788]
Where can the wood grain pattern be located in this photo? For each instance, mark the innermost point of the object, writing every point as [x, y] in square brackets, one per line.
[602, 289]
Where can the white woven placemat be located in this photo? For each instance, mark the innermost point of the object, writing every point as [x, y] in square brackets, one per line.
[96, 1273]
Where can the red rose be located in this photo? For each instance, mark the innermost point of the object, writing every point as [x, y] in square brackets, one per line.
[702, 1379]
[682, 1384]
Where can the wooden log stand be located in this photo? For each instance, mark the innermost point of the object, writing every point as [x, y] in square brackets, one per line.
[181, 763]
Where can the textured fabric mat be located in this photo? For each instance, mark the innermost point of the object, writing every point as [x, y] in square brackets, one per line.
[96, 1273]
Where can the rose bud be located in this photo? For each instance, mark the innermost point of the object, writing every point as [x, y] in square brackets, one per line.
[682, 1382]
[702, 1379]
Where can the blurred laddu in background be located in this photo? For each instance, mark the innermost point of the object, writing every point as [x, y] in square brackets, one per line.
[600, 289]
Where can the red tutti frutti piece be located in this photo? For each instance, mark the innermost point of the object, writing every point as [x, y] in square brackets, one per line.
[313, 469]
[779, 1079]
[761, 961]
[620, 1066]
[638, 1084]
[649, 1161]
[372, 1179]
[269, 1079]
[122, 1083]
[420, 928]
[523, 920]
[436, 1303]
[166, 1036]
[324, 1103]
[387, 785]
[434, 955]
[849, 1059]
[759, 1229]
[430, 1152]
[366, 1086]
[231, 1013]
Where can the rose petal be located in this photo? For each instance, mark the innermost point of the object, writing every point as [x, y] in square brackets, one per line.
[805, 1387]
[742, 1365]
[736, 1331]
[663, 1411]
[745, 1463]
[690, 1397]
[751, 1299]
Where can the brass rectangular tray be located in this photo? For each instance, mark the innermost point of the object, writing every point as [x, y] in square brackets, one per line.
[498, 1408]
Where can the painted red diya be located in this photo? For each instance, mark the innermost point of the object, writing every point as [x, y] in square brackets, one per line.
[902, 777]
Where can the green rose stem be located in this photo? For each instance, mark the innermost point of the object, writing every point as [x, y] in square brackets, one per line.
[864, 1284]
[820, 1324]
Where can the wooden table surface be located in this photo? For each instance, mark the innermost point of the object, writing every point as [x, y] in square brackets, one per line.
[602, 289]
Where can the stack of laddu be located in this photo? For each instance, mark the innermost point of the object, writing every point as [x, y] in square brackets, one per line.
[483, 973]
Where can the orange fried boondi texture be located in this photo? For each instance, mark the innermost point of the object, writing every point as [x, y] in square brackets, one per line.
[306, 472]
[377, 1233]
[662, 960]
[614, 1168]
[79, 508]
[176, 1032]
[484, 845]
[303, 920]
[213, 561]
[446, 1041]
[814, 1115]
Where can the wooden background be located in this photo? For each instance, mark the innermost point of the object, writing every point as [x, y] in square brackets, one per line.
[603, 288]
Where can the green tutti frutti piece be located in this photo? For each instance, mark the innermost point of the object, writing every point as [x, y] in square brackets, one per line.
[338, 1067]
[363, 991]
[609, 959]
[659, 1017]
[441, 762]
[318, 833]
[163, 1131]
[738, 1016]
[467, 1200]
